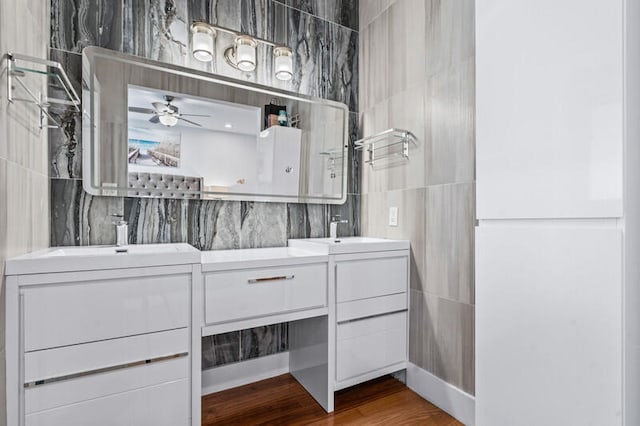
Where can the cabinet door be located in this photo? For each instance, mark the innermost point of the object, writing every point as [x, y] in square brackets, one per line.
[548, 326]
[549, 102]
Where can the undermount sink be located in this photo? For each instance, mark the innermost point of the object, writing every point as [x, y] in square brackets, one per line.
[134, 249]
[348, 244]
[67, 259]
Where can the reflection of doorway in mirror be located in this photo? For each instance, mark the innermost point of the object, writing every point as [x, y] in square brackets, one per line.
[154, 148]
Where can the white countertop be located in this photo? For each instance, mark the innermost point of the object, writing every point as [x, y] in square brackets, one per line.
[346, 245]
[89, 258]
[219, 260]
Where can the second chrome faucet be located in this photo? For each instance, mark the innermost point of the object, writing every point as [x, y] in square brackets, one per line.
[333, 226]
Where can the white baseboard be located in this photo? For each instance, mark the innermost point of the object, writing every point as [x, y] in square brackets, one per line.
[445, 396]
[245, 372]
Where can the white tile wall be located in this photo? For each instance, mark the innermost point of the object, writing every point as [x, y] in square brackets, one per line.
[24, 200]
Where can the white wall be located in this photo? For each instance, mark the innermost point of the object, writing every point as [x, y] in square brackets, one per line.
[221, 158]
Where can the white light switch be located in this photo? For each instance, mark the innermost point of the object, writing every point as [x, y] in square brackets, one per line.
[393, 216]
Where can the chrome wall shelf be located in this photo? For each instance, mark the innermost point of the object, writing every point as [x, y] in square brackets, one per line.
[19, 67]
[388, 145]
[335, 159]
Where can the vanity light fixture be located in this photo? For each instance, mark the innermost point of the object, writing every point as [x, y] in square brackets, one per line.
[202, 36]
[283, 63]
[242, 54]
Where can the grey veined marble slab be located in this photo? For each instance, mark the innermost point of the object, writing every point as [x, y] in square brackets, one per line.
[242, 345]
[65, 143]
[78, 218]
[214, 225]
[76, 24]
[263, 224]
[156, 220]
[342, 12]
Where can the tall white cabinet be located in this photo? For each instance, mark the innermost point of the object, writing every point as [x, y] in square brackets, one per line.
[558, 208]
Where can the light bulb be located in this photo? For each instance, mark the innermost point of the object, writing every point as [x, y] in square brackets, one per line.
[283, 65]
[202, 41]
[246, 53]
[168, 120]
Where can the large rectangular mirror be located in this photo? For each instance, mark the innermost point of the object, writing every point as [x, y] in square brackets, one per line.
[156, 130]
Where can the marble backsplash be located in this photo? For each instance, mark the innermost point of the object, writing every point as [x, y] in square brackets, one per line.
[323, 35]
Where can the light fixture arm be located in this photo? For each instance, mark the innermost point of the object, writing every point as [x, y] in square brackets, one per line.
[234, 33]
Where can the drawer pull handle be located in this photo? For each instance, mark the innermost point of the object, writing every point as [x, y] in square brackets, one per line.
[278, 278]
[382, 314]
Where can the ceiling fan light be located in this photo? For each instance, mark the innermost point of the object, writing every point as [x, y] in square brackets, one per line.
[168, 120]
[202, 41]
[246, 52]
[283, 64]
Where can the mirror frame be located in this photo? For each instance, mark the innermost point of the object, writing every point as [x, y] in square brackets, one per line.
[90, 102]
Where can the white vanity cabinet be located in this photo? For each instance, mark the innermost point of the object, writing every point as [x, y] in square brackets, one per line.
[371, 299]
[100, 344]
[371, 315]
[249, 288]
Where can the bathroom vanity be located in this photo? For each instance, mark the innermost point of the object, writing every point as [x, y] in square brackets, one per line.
[102, 337]
[255, 287]
[99, 337]
[371, 286]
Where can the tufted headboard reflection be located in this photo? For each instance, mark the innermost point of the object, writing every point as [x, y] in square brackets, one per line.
[144, 184]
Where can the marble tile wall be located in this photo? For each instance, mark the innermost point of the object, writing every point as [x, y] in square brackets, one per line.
[417, 72]
[23, 152]
[324, 38]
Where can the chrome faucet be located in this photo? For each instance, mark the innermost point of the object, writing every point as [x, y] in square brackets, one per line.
[333, 226]
[122, 231]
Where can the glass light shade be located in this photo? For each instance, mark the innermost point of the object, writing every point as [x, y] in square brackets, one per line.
[168, 120]
[202, 42]
[283, 64]
[246, 53]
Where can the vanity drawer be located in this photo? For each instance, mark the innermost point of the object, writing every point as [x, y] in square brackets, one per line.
[257, 292]
[79, 389]
[369, 344]
[347, 311]
[167, 404]
[361, 279]
[69, 361]
[72, 313]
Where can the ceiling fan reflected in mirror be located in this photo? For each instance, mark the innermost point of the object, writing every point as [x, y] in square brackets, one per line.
[166, 113]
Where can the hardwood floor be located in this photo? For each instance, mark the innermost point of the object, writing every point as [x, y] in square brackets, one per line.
[283, 401]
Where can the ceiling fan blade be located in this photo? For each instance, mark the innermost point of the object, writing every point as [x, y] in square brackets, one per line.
[142, 110]
[155, 119]
[160, 107]
[195, 115]
[190, 122]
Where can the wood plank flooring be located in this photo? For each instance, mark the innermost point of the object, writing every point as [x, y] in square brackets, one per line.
[283, 401]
